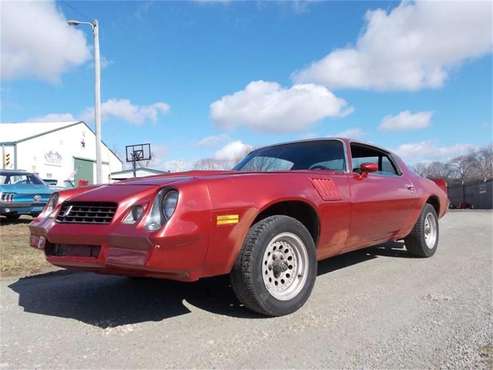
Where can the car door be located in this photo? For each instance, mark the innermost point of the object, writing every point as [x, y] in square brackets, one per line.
[380, 201]
[334, 211]
[329, 174]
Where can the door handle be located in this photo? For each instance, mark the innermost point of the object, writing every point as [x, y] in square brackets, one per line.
[410, 187]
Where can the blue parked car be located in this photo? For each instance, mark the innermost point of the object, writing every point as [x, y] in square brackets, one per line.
[22, 193]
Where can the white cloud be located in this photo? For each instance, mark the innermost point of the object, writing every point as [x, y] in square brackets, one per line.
[406, 121]
[353, 133]
[233, 151]
[429, 151]
[267, 106]
[158, 155]
[210, 141]
[413, 46]
[37, 42]
[53, 117]
[125, 110]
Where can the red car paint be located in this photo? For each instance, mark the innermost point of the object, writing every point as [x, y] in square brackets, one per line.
[353, 211]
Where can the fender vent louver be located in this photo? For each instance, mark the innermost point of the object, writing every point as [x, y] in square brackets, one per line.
[326, 188]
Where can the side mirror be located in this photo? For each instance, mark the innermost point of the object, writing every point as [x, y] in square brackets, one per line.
[368, 167]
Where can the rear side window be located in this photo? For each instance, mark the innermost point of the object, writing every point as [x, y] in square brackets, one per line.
[20, 179]
[366, 154]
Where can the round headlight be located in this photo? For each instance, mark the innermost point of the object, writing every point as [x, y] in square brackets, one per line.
[169, 203]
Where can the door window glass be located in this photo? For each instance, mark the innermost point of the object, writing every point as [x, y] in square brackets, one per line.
[366, 154]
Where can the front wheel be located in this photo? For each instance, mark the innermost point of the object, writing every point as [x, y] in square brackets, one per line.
[423, 239]
[276, 269]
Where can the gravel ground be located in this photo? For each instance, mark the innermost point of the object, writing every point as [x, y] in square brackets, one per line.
[371, 309]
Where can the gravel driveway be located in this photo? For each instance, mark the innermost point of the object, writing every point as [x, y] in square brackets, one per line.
[371, 309]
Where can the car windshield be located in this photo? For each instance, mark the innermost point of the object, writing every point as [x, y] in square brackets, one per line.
[305, 155]
[18, 178]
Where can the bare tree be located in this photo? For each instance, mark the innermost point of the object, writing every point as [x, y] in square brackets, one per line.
[434, 169]
[484, 162]
[213, 164]
[421, 169]
[463, 167]
[476, 165]
[439, 170]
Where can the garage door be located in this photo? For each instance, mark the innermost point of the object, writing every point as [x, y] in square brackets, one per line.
[83, 170]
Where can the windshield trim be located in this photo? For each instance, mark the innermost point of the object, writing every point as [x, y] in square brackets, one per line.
[344, 147]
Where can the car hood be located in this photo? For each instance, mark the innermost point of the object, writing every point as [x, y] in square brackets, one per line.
[176, 177]
[26, 189]
[128, 189]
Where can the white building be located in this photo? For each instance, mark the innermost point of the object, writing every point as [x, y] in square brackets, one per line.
[55, 150]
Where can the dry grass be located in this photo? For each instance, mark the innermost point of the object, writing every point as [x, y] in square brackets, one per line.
[16, 256]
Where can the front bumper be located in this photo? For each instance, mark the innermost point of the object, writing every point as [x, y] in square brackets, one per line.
[21, 208]
[120, 249]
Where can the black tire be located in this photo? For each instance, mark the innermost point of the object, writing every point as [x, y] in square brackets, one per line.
[12, 217]
[247, 279]
[416, 243]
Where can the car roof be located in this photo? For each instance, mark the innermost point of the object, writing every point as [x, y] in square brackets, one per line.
[344, 140]
[11, 172]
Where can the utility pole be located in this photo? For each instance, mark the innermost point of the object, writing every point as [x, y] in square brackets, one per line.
[97, 93]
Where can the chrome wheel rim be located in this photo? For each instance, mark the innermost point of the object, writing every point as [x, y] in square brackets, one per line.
[430, 230]
[285, 266]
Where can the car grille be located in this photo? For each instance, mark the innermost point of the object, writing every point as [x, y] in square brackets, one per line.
[61, 250]
[7, 197]
[86, 212]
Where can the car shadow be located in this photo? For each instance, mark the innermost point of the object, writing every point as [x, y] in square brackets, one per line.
[390, 249]
[110, 301]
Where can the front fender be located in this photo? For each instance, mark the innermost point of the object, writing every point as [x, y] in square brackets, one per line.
[237, 199]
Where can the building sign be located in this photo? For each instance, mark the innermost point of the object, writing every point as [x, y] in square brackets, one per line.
[53, 158]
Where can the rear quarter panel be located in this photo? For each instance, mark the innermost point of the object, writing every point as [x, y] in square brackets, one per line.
[425, 190]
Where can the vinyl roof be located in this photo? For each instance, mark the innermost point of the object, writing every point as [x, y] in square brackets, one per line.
[13, 132]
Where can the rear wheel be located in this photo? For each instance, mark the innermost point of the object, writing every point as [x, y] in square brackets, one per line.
[423, 239]
[276, 269]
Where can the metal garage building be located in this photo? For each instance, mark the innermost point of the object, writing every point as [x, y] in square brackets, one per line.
[55, 150]
[478, 195]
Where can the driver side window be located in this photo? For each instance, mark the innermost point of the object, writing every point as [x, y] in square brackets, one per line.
[367, 154]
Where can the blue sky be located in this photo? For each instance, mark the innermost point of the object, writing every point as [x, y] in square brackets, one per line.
[188, 55]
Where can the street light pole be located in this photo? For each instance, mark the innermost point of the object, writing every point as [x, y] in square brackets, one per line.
[97, 100]
[97, 93]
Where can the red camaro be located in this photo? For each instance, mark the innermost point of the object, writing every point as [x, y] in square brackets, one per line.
[266, 222]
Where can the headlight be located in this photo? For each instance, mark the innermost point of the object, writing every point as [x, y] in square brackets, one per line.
[162, 209]
[169, 203]
[134, 215]
[50, 206]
